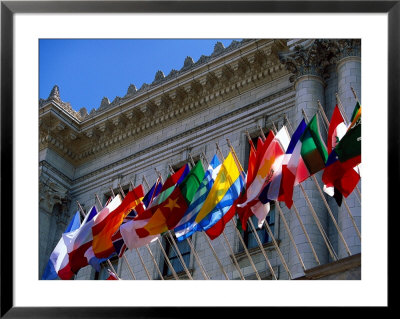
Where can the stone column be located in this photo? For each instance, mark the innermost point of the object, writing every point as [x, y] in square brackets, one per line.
[53, 219]
[348, 70]
[308, 66]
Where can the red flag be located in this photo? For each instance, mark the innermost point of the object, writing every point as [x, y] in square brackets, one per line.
[338, 177]
[166, 216]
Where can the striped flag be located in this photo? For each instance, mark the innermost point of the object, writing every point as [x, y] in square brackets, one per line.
[187, 226]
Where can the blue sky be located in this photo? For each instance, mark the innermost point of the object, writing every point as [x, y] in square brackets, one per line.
[86, 70]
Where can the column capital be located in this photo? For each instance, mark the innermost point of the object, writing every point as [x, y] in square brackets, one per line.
[310, 59]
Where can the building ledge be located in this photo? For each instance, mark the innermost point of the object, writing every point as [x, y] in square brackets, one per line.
[333, 268]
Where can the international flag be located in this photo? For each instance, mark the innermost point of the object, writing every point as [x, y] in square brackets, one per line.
[117, 240]
[290, 165]
[271, 190]
[340, 171]
[172, 209]
[128, 230]
[265, 171]
[103, 231]
[313, 149]
[348, 149]
[226, 189]
[77, 259]
[58, 264]
[94, 261]
[83, 240]
[187, 226]
[246, 211]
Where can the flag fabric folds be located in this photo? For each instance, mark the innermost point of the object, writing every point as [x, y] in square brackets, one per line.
[128, 229]
[103, 231]
[225, 190]
[169, 206]
[77, 260]
[289, 169]
[83, 240]
[58, 264]
[340, 171]
[313, 149]
[187, 225]
[244, 210]
[348, 149]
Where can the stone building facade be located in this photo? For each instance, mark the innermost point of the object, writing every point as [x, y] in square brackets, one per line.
[250, 84]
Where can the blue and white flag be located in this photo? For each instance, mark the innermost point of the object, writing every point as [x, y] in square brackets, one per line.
[187, 226]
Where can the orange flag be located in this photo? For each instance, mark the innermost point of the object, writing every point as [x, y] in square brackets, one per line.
[103, 231]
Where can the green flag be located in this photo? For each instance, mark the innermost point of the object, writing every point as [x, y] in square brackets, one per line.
[313, 149]
[192, 182]
[349, 147]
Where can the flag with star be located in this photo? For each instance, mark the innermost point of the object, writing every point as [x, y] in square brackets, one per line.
[169, 212]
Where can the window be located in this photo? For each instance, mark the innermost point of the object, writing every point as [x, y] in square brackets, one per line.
[173, 256]
[249, 235]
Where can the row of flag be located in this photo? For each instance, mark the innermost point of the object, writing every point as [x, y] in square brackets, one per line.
[193, 200]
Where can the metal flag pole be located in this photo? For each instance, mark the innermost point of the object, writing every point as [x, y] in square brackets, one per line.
[266, 224]
[284, 220]
[137, 250]
[314, 214]
[123, 255]
[241, 239]
[326, 203]
[232, 254]
[159, 242]
[344, 199]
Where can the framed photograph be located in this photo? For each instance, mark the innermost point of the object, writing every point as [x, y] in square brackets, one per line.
[262, 28]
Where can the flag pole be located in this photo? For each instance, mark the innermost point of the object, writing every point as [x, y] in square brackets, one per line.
[355, 95]
[240, 237]
[125, 259]
[282, 216]
[203, 271]
[326, 204]
[313, 213]
[108, 261]
[81, 210]
[137, 250]
[346, 121]
[262, 132]
[344, 199]
[266, 224]
[230, 248]
[158, 240]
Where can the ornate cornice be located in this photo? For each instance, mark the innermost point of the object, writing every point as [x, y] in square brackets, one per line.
[225, 74]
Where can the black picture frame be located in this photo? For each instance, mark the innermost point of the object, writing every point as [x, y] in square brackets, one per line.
[9, 8]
